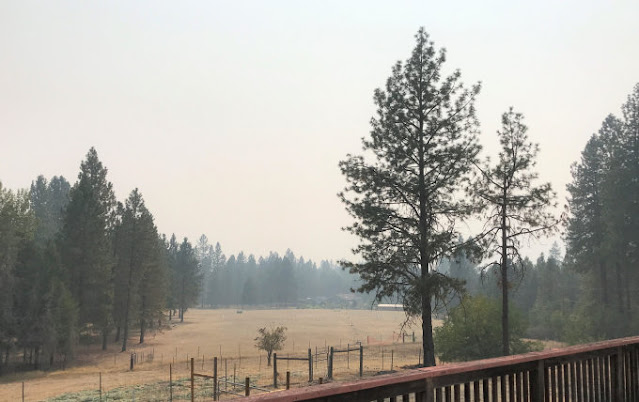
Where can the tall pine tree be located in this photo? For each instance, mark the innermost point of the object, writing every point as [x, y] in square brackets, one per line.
[515, 207]
[406, 201]
[87, 245]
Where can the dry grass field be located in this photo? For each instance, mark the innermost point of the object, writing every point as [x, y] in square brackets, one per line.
[229, 335]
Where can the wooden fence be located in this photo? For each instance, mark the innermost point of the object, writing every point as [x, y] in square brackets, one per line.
[603, 371]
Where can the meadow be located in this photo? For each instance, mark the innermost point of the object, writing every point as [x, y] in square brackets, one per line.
[228, 335]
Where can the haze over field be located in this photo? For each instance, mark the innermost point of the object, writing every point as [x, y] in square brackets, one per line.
[231, 117]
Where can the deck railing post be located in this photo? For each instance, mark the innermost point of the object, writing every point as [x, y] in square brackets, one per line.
[429, 394]
[537, 382]
[616, 365]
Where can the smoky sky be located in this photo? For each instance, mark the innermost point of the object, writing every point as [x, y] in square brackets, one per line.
[231, 116]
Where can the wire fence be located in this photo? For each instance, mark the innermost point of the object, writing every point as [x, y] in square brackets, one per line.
[169, 377]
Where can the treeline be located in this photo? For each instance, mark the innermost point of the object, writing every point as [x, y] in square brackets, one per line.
[76, 265]
[275, 281]
[602, 234]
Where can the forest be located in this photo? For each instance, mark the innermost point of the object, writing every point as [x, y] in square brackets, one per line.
[79, 267]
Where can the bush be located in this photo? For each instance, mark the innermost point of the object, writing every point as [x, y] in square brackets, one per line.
[472, 331]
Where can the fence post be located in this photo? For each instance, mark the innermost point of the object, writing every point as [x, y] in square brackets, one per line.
[215, 383]
[22, 391]
[192, 379]
[361, 360]
[131, 364]
[247, 387]
[330, 364]
[310, 365]
[288, 380]
[275, 370]
[382, 359]
[392, 357]
[348, 355]
[170, 382]
[100, 386]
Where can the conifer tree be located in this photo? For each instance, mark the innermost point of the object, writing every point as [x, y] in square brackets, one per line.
[87, 245]
[136, 254]
[515, 207]
[404, 192]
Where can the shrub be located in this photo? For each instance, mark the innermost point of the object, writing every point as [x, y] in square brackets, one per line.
[472, 331]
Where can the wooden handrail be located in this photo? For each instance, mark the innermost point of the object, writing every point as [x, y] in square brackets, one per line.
[535, 365]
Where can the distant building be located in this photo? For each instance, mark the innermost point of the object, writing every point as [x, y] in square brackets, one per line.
[390, 307]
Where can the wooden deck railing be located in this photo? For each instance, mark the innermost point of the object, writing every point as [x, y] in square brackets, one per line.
[602, 371]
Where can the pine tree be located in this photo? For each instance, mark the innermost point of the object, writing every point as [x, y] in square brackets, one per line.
[87, 245]
[515, 207]
[136, 253]
[153, 287]
[586, 225]
[185, 275]
[16, 227]
[406, 202]
[49, 201]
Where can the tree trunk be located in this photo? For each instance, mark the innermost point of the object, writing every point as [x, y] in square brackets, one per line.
[125, 336]
[505, 330]
[427, 331]
[604, 283]
[182, 298]
[142, 329]
[268, 358]
[105, 335]
[36, 358]
[117, 334]
[619, 288]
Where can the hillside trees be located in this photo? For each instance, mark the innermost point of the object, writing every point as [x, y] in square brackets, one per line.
[406, 201]
[516, 208]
